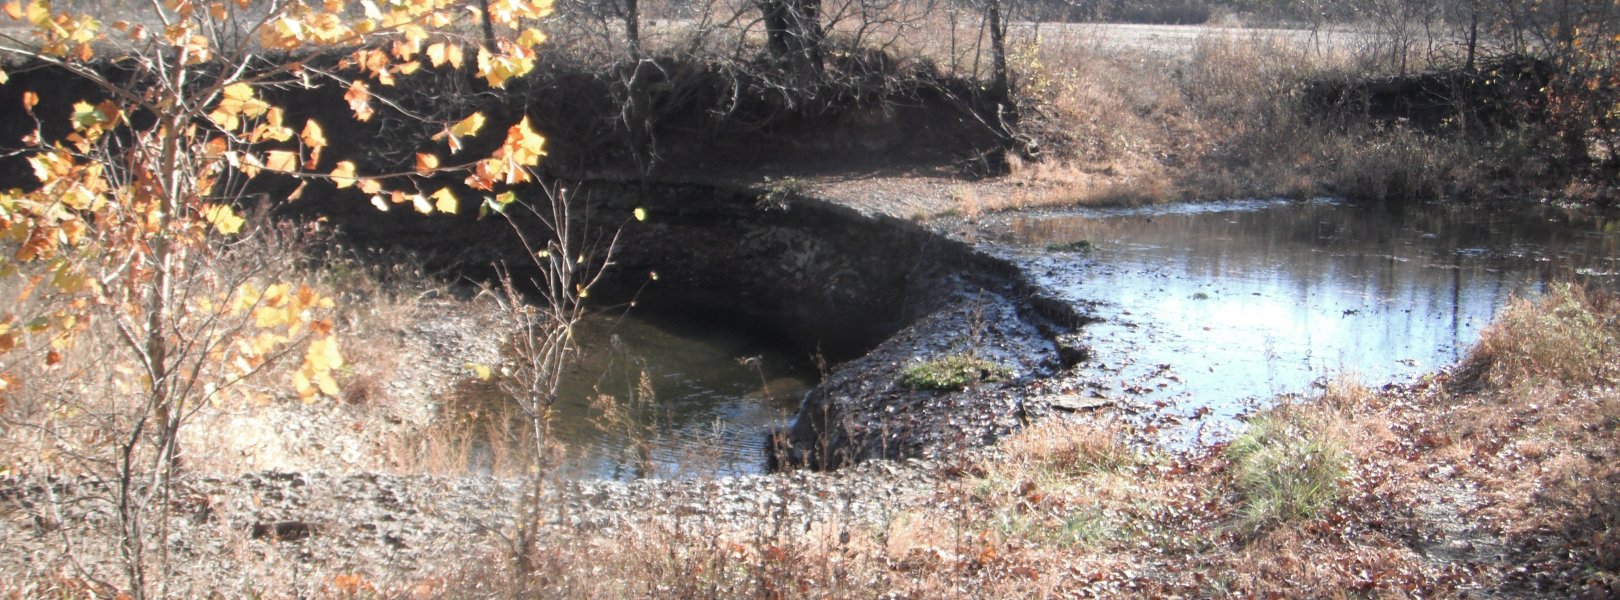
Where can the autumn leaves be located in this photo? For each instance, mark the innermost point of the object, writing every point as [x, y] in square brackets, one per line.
[126, 208]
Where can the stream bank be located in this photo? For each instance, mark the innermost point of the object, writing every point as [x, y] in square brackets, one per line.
[866, 294]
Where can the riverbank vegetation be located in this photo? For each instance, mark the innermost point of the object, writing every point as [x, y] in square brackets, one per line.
[1474, 480]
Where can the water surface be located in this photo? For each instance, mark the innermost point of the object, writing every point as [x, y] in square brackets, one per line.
[1214, 307]
[695, 395]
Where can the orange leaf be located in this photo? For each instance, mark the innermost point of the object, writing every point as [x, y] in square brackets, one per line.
[426, 163]
[313, 135]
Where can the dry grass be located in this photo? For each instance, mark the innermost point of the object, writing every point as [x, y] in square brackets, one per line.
[1228, 119]
[1568, 337]
[1130, 126]
[1075, 508]
[1523, 460]
[62, 418]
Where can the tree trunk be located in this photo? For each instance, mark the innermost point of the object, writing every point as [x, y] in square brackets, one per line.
[1000, 88]
[793, 36]
[632, 28]
[1473, 33]
[489, 26]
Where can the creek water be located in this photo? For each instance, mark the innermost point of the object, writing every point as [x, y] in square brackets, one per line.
[672, 396]
[1215, 308]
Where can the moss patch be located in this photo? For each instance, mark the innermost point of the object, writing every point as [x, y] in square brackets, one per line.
[952, 372]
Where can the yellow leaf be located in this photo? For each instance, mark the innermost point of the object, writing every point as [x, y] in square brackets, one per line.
[323, 355]
[223, 218]
[468, 126]
[313, 136]
[421, 204]
[238, 92]
[302, 385]
[359, 99]
[265, 317]
[343, 175]
[3, 77]
[281, 160]
[39, 13]
[246, 296]
[440, 54]
[445, 201]
[640, 214]
[328, 385]
[272, 127]
[531, 38]
[14, 10]
[497, 69]
[481, 371]
[370, 186]
[88, 117]
[523, 145]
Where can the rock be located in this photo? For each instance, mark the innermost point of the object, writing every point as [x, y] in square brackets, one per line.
[1077, 402]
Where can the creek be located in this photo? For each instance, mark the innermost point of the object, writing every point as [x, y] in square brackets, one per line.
[1216, 308]
[1188, 315]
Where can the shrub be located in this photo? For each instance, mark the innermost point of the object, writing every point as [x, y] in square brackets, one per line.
[1569, 335]
[952, 372]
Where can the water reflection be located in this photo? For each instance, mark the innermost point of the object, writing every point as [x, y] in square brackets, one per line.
[1207, 306]
[689, 396]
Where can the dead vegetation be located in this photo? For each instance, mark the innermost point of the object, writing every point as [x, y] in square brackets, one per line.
[1444, 488]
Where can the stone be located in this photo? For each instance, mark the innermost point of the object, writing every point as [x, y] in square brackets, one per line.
[1077, 402]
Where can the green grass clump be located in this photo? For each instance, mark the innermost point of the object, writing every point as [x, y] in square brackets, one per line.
[1287, 469]
[952, 372]
[1080, 247]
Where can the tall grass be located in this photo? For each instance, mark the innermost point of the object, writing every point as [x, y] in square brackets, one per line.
[1288, 467]
[1569, 336]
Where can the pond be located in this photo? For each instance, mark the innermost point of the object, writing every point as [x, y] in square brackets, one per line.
[1212, 308]
[672, 396]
